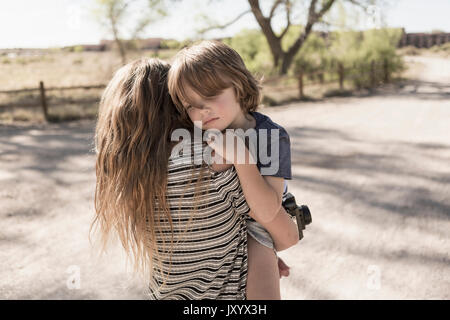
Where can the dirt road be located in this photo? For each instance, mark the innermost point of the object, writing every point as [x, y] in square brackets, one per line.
[374, 170]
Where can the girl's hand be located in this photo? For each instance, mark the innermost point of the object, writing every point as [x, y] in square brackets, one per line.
[229, 148]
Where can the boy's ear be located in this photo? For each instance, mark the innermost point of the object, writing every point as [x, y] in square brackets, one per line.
[236, 94]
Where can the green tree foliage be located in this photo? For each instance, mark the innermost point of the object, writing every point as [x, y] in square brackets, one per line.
[78, 49]
[366, 58]
[175, 44]
[254, 50]
[170, 44]
[311, 60]
[312, 57]
[344, 54]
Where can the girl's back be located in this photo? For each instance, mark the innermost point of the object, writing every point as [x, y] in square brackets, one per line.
[209, 258]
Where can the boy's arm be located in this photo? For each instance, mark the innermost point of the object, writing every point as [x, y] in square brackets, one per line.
[262, 195]
[282, 228]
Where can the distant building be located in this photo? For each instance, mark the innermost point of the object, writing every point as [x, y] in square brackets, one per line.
[150, 43]
[143, 44]
[84, 47]
[93, 47]
[107, 44]
[423, 40]
[15, 52]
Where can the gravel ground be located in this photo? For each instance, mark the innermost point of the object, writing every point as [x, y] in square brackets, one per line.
[374, 171]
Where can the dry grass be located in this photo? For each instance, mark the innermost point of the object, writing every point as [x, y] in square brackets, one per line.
[59, 69]
[65, 69]
[279, 95]
[441, 51]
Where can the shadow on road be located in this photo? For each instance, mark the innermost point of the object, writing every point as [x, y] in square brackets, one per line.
[413, 199]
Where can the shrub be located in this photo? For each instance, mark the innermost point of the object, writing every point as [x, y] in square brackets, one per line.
[254, 50]
[170, 44]
[78, 49]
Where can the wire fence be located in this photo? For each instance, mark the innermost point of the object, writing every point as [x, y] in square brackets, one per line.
[368, 75]
[39, 97]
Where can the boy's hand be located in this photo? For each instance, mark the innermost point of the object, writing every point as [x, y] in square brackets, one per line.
[229, 148]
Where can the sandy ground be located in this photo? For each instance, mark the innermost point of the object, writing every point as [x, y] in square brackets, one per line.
[374, 171]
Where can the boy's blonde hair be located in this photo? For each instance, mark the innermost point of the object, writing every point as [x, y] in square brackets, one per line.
[208, 68]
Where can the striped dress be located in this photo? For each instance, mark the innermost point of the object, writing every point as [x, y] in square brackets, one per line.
[209, 257]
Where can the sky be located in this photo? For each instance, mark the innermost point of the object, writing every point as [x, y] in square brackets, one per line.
[53, 23]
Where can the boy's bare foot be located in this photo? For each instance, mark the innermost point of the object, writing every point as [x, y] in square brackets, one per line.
[283, 268]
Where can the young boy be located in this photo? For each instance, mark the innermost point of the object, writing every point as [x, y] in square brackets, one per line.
[210, 85]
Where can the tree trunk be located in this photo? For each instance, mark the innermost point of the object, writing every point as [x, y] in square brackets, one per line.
[287, 61]
[117, 40]
[274, 41]
[122, 52]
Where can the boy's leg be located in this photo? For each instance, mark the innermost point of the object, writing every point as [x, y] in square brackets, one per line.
[263, 280]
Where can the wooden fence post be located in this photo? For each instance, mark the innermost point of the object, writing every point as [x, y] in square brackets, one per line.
[300, 85]
[386, 70]
[321, 77]
[372, 74]
[43, 100]
[341, 75]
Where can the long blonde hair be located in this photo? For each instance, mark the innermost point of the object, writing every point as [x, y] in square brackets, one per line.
[133, 145]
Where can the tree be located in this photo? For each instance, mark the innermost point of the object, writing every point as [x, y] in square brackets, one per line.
[114, 13]
[345, 53]
[283, 57]
[366, 57]
[252, 47]
[311, 59]
[380, 46]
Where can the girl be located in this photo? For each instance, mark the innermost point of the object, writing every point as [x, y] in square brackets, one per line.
[211, 86]
[187, 236]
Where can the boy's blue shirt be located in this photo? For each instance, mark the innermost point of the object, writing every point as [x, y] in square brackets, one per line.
[284, 168]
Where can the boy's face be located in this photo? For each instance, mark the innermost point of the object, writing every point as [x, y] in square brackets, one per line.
[218, 112]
